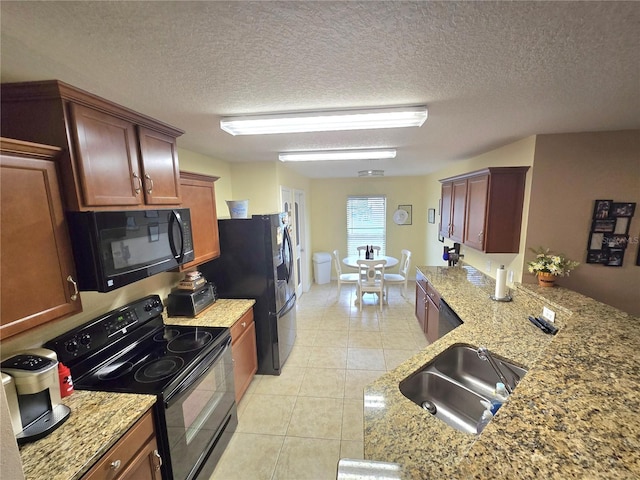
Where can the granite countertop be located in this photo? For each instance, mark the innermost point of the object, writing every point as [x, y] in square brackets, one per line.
[574, 415]
[224, 313]
[97, 421]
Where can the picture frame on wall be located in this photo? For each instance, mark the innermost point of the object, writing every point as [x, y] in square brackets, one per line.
[623, 209]
[409, 210]
[431, 215]
[605, 226]
[596, 241]
[598, 256]
[616, 256]
[622, 226]
[602, 208]
[617, 241]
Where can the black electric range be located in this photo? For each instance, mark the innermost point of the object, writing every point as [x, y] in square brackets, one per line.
[189, 369]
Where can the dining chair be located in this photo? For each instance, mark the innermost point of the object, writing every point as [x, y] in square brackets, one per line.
[363, 248]
[343, 278]
[371, 280]
[399, 278]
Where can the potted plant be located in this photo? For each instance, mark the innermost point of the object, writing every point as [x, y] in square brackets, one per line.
[547, 266]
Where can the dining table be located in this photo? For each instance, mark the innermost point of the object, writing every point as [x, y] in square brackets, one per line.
[352, 260]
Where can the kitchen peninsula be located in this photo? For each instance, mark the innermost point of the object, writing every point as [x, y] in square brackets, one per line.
[573, 415]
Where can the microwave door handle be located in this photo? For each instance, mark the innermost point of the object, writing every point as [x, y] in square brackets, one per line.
[175, 217]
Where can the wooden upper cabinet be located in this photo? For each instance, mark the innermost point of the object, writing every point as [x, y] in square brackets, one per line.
[112, 157]
[198, 194]
[458, 199]
[107, 158]
[490, 216]
[445, 209]
[160, 169]
[476, 205]
[36, 248]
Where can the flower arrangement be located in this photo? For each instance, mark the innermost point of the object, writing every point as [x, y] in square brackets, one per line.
[551, 263]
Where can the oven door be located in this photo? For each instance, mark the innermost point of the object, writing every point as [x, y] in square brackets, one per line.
[200, 415]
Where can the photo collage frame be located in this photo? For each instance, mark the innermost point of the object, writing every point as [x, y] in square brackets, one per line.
[609, 236]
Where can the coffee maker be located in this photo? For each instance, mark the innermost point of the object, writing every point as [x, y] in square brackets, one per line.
[31, 383]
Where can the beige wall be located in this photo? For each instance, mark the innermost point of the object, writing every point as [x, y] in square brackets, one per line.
[329, 213]
[197, 163]
[571, 171]
[520, 153]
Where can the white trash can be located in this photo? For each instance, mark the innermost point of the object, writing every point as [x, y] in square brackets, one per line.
[322, 267]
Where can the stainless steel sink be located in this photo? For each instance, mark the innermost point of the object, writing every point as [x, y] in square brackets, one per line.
[452, 386]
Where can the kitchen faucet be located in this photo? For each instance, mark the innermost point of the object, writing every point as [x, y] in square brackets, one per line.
[484, 354]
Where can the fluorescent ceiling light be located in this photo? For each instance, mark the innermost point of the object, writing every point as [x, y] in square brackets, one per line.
[371, 173]
[320, 155]
[325, 121]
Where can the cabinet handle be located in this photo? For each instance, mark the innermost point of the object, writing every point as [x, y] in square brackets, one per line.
[147, 177]
[155, 452]
[115, 464]
[74, 295]
[244, 324]
[139, 187]
[480, 235]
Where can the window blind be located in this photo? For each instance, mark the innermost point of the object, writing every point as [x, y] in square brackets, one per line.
[366, 222]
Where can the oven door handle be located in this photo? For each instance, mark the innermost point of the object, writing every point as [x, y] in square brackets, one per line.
[204, 366]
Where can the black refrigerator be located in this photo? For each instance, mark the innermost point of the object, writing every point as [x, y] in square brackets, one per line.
[256, 261]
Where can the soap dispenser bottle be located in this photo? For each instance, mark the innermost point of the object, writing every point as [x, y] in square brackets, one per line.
[486, 417]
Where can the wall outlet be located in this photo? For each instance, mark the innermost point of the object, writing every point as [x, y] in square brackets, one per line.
[548, 314]
[488, 266]
[510, 276]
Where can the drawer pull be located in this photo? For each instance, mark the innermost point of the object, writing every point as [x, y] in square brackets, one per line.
[115, 464]
[244, 324]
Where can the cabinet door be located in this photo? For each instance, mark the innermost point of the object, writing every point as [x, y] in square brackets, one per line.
[244, 352]
[458, 203]
[145, 465]
[433, 318]
[134, 457]
[106, 158]
[421, 307]
[445, 210]
[160, 169]
[474, 232]
[198, 194]
[36, 249]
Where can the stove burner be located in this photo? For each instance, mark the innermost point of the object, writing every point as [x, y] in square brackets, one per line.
[167, 334]
[115, 370]
[158, 369]
[188, 342]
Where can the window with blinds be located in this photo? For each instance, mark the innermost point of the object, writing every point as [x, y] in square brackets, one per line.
[366, 222]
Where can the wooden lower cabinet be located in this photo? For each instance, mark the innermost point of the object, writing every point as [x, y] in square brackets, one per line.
[427, 307]
[244, 353]
[36, 247]
[134, 457]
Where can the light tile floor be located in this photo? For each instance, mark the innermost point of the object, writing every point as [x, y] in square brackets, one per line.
[298, 425]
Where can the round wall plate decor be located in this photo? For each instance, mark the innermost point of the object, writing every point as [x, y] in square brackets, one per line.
[400, 216]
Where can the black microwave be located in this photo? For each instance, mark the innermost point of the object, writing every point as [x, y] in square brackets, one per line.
[115, 248]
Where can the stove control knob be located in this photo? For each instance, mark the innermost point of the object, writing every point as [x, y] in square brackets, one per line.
[148, 307]
[71, 346]
[85, 339]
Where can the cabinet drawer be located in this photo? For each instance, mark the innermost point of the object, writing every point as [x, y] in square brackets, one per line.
[433, 295]
[118, 458]
[241, 326]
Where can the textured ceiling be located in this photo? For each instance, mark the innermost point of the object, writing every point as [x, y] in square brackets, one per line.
[489, 72]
